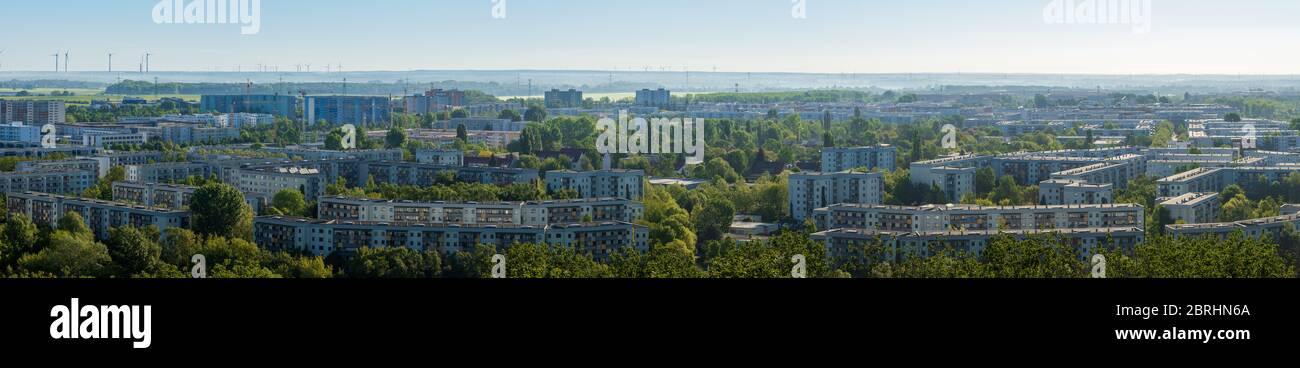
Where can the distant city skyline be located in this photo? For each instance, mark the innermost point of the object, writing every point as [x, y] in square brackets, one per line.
[835, 36]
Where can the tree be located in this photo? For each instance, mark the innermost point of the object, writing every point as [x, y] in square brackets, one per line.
[1237, 209]
[75, 225]
[459, 114]
[1041, 102]
[290, 202]
[713, 220]
[132, 251]
[394, 262]
[1034, 257]
[510, 114]
[334, 141]
[984, 180]
[461, 133]
[1232, 117]
[396, 138]
[219, 209]
[69, 255]
[535, 113]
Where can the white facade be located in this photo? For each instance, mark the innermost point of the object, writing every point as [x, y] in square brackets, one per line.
[809, 191]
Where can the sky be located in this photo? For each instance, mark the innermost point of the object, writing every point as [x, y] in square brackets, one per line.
[832, 36]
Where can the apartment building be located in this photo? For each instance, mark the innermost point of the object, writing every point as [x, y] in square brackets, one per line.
[1253, 228]
[359, 110]
[445, 157]
[32, 112]
[168, 172]
[898, 245]
[978, 218]
[955, 175]
[322, 237]
[161, 195]
[622, 184]
[485, 213]
[1192, 208]
[1074, 192]
[97, 165]
[100, 216]
[277, 105]
[809, 191]
[556, 99]
[17, 132]
[843, 159]
[660, 98]
[487, 124]
[70, 181]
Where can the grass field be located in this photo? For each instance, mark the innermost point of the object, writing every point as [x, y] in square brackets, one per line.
[85, 95]
[615, 96]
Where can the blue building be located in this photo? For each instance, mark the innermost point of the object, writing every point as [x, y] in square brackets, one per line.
[557, 99]
[278, 105]
[360, 110]
[17, 132]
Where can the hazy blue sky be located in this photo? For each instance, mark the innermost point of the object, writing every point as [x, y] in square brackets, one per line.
[862, 36]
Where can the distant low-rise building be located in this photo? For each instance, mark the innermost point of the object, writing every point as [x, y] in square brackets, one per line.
[556, 99]
[100, 216]
[482, 213]
[277, 105]
[660, 98]
[623, 184]
[322, 237]
[1192, 208]
[63, 181]
[1068, 192]
[448, 157]
[876, 157]
[17, 132]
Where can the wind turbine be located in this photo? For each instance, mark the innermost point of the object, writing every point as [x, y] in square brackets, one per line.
[65, 61]
[146, 61]
[110, 61]
[56, 61]
[2, 63]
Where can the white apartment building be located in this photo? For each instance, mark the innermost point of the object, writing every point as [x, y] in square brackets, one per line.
[812, 190]
[622, 184]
